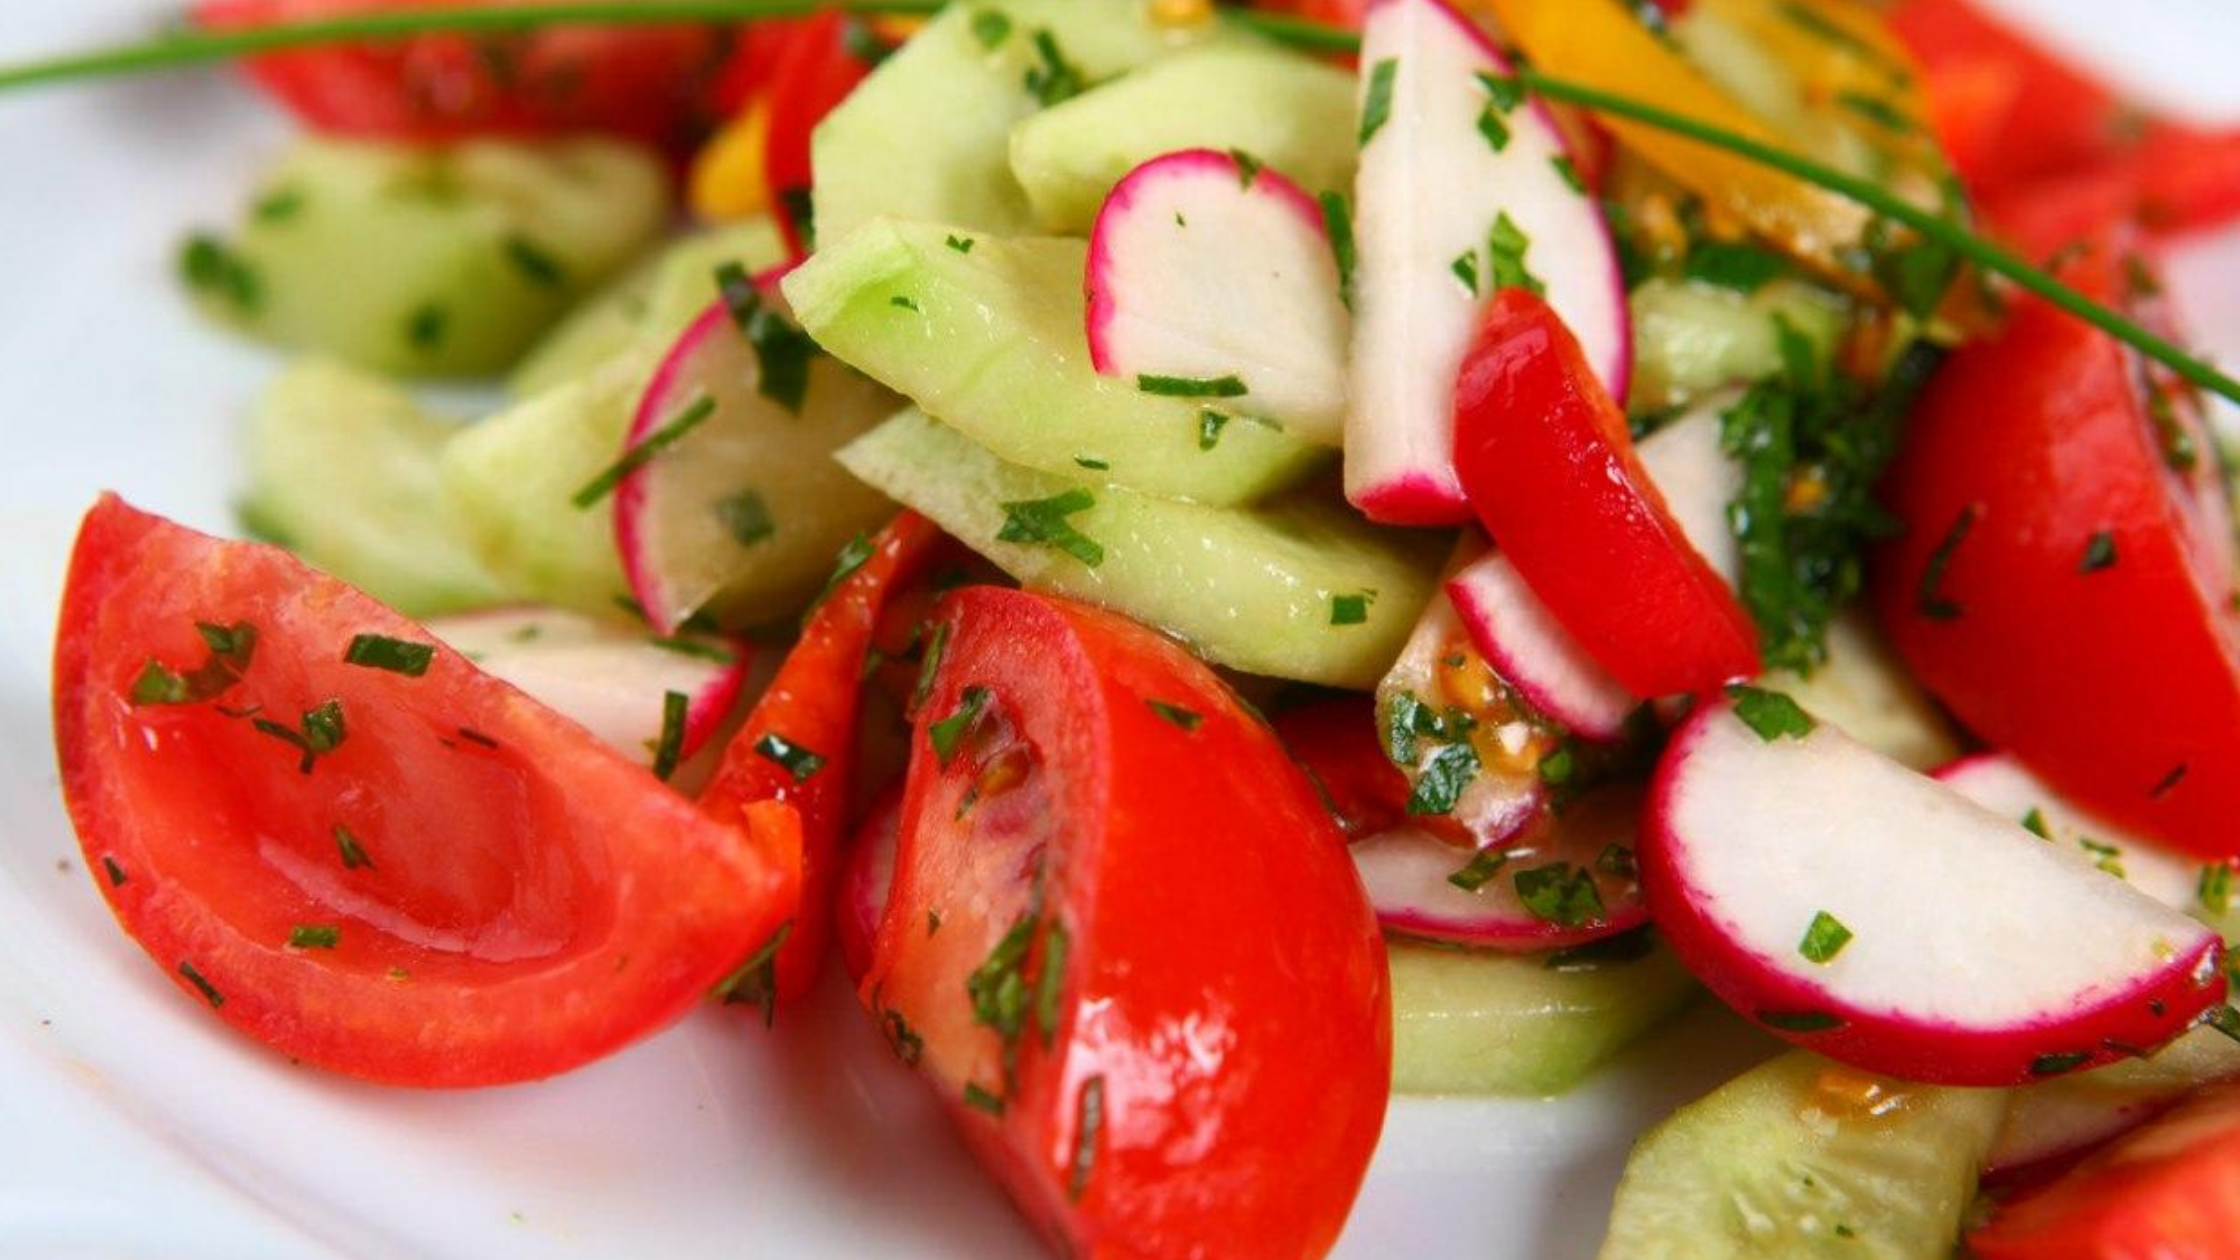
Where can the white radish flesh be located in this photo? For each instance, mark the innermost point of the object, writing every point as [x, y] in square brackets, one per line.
[1203, 268]
[1455, 179]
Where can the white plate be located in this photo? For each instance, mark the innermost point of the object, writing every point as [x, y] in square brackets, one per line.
[132, 1124]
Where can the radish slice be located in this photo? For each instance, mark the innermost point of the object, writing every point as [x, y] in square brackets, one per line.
[611, 677]
[1530, 648]
[1568, 881]
[1450, 183]
[1202, 269]
[2000, 784]
[865, 882]
[743, 510]
[1438, 675]
[1881, 918]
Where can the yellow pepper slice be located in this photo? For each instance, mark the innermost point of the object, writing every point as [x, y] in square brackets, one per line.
[727, 178]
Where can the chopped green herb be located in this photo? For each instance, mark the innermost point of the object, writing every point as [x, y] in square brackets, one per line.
[2225, 1020]
[535, 263]
[208, 990]
[936, 648]
[945, 734]
[1800, 1021]
[853, 555]
[676, 708]
[1248, 166]
[908, 1045]
[1088, 1123]
[1824, 938]
[2058, 1063]
[1737, 265]
[1932, 602]
[998, 986]
[353, 853]
[2179, 450]
[323, 728]
[211, 267]
[1092, 464]
[961, 244]
[1625, 947]
[745, 517]
[979, 1099]
[1440, 782]
[1376, 103]
[1560, 893]
[1465, 269]
[314, 936]
[1337, 221]
[991, 27]
[1569, 173]
[1770, 713]
[231, 649]
[2163, 785]
[669, 434]
[1617, 861]
[398, 656]
[2034, 822]
[426, 327]
[793, 758]
[1043, 521]
[1187, 719]
[477, 737]
[1210, 424]
[2214, 889]
[1917, 276]
[782, 352]
[279, 205]
[906, 303]
[116, 872]
[1050, 980]
[755, 982]
[2106, 857]
[1557, 767]
[698, 649]
[796, 203]
[1052, 79]
[1494, 127]
[1505, 91]
[1191, 386]
[1350, 610]
[1479, 870]
[1506, 248]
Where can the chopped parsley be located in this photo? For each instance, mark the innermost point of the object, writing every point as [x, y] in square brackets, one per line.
[1337, 220]
[1568, 172]
[946, 733]
[1088, 1124]
[977, 1097]
[694, 648]
[669, 434]
[1052, 79]
[2171, 780]
[782, 352]
[1210, 424]
[1050, 980]
[398, 656]
[1192, 386]
[1248, 167]
[791, 757]
[1479, 870]
[1609, 951]
[1440, 782]
[2105, 857]
[745, 517]
[908, 1045]
[1799, 1021]
[2214, 889]
[2034, 822]
[116, 872]
[1617, 861]
[2225, 1020]
[353, 853]
[998, 986]
[676, 707]
[1187, 719]
[427, 326]
[961, 244]
[314, 936]
[278, 205]
[1770, 713]
[208, 990]
[2060, 1062]
[1737, 265]
[1350, 610]
[1092, 463]
[1930, 599]
[1560, 893]
[2099, 552]
[797, 205]
[231, 648]
[991, 27]
[853, 555]
[936, 648]
[319, 731]
[1376, 103]
[1506, 246]
[1043, 522]
[211, 267]
[755, 982]
[1494, 127]
[535, 263]
[1824, 938]
[905, 302]
[1465, 269]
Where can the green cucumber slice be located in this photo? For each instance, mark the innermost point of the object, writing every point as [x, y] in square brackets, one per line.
[1691, 337]
[1865, 689]
[989, 335]
[927, 136]
[1292, 112]
[343, 471]
[1803, 1158]
[430, 262]
[1475, 1022]
[1255, 589]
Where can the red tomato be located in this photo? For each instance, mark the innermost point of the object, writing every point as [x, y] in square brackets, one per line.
[419, 878]
[815, 73]
[2060, 585]
[1335, 742]
[798, 745]
[1549, 465]
[2168, 1191]
[1126, 945]
[2173, 181]
[647, 83]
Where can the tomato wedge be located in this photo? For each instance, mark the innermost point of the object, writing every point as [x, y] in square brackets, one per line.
[816, 71]
[798, 746]
[357, 847]
[1335, 742]
[1126, 946]
[2168, 1191]
[2065, 580]
[646, 83]
[1549, 466]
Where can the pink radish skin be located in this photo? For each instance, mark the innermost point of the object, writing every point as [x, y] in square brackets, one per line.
[610, 677]
[865, 881]
[1198, 270]
[1981, 955]
[1430, 189]
[1532, 651]
[1406, 871]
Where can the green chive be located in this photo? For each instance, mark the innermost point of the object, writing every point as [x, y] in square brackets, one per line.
[2099, 553]
[1049, 985]
[116, 872]
[353, 853]
[1337, 221]
[1210, 424]
[961, 244]
[1824, 938]
[2034, 822]
[945, 734]
[209, 991]
[755, 981]
[676, 706]
[426, 327]
[535, 263]
[793, 758]
[1175, 714]
[1560, 893]
[1248, 166]
[1506, 248]
[1052, 79]
[2058, 1063]
[314, 936]
[782, 353]
[1376, 104]
[979, 1099]
[398, 656]
[1043, 522]
[1480, 870]
[1191, 386]
[936, 648]
[1770, 713]
[669, 434]
[1350, 610]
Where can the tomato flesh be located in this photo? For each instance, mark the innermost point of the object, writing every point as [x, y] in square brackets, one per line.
[1549, 466]
[2060, 585]
[507, 896]
[1125, 944]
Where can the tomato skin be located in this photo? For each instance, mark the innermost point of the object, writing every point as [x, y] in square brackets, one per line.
[1549, 465]
[1223, 995]
[2105, 679]
[643, 83]
[546, 901]
[814, 704]
[2168, 1191]
[1335, 742]
[814, 73]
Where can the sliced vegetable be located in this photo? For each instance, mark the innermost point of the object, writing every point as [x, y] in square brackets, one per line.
[1464, 191]
[1804, 878]
[1864, 690]
[866, 877]
[1692, 338]
[509, 897]
[2059, 1120]
[1335, 742]
[1210, 269]
[819, 66]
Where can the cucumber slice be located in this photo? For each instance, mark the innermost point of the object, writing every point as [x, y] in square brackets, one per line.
[1254, 589]
[653, 301]
[510, 479]
[342, 470]
[1864, 689]
[990, 336]
[1291, 112]
[1802, 1157]
[927, 136]
[1475, 1022]
[435, 262]
[1691, 337]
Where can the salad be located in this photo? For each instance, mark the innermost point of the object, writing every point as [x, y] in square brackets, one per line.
[1222, 564]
